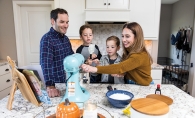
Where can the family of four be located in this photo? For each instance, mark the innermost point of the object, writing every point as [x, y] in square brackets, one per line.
[134, 65]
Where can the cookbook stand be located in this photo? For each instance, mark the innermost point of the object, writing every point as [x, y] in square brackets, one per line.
[20, 81]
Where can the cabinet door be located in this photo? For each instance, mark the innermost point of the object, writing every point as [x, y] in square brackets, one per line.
[5, 93]
[156, 76]
[76, 13]
[118, 4]
[107, 4]
[96, 4]
[147, 14]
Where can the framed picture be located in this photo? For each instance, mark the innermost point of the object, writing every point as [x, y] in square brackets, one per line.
[36, 86]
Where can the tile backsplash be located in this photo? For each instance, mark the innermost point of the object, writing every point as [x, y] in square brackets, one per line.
[101, 32]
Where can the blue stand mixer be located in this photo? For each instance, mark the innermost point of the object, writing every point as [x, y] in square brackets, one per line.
[74, 92]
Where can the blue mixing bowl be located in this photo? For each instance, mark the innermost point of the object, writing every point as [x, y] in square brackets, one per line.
[119, 103]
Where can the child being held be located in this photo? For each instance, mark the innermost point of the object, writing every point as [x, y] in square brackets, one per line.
[112, 57]
[86, 34]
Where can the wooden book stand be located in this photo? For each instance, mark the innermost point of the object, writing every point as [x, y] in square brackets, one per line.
[20, 81]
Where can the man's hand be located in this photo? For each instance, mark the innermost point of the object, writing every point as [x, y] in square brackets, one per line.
[53, 92]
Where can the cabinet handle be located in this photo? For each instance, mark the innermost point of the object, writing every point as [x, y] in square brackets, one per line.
[6, 69]
[8, 80]
[104, 3]
[108, 3]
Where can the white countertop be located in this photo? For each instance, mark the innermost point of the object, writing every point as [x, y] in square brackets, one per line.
[157, 66]
[183, 104]
[3, 62]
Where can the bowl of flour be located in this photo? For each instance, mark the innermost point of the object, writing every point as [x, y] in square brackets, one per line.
[119, 98]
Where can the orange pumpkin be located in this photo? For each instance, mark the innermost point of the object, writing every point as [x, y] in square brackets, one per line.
[68, 111]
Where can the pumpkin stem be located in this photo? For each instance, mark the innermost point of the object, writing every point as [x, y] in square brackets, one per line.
[67, 102]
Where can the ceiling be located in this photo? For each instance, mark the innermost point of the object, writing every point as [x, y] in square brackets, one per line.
[168, 1]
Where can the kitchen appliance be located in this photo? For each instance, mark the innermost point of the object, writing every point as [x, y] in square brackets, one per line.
[74, 92]
[67, 110]
[149, 108]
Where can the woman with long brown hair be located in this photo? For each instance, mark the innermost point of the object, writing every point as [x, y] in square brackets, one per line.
[136, 61]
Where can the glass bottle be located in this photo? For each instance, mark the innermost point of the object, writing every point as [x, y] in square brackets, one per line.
[158, 91]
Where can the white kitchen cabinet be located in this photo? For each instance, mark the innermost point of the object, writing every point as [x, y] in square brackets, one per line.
[156, 75]
[147, 14]
[5, 80]
[76, 13]
[107, 4]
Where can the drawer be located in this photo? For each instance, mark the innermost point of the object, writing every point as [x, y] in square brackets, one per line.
[4, 69]
[5, 92]
[6, 81]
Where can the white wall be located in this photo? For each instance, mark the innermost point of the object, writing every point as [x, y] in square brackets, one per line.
[191, 83]
[7, 32]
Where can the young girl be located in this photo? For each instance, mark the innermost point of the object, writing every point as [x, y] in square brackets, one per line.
[136, 61]
[112, 57]
[86, 34]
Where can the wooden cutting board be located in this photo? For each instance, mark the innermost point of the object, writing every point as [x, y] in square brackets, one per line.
[162, 98]
[150, 106]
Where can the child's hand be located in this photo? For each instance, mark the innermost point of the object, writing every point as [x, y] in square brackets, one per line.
[89, 61]
[97, 62]
[94, 56]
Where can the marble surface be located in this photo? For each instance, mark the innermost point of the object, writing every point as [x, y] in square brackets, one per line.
[183, 104]
[157, 66]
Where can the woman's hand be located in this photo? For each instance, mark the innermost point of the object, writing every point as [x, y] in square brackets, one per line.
[88, 68]
[117, 75]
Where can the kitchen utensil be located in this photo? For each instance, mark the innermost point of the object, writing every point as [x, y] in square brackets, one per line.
[150, 106]
[162, 98]
[67, 110]
[91, 49]
[117, 102]
[74, 92]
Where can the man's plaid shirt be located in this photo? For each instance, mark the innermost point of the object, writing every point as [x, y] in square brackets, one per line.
[54, 47]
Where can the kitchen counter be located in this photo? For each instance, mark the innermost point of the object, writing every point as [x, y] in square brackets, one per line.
[3, 62]
[183, 104]
[157, 66]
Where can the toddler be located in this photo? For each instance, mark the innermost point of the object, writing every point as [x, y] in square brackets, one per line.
[112, 57]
